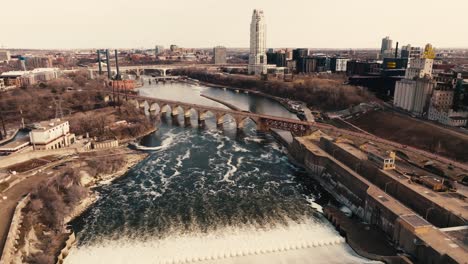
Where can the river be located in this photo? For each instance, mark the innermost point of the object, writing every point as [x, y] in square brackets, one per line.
[210, 196]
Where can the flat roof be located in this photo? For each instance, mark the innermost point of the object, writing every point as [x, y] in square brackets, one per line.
[48, 124]
[15, 145]
[415, 220]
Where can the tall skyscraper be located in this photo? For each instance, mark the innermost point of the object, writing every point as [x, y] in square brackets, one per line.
[219, 55]
[386, 49]
[257, 56]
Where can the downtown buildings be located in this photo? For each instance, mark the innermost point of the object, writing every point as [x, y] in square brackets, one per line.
[439, 98]
[257, 56]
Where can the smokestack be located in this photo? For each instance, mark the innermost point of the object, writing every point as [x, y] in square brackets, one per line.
[99, 61]
[109, 74]
[117, 77]
[396, 50]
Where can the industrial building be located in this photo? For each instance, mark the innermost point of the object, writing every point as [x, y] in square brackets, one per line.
[53, 134]
[414, 91]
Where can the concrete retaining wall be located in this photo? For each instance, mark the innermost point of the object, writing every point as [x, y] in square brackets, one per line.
[66, 249]
[13, 234]
[22, 157]
[437, 216]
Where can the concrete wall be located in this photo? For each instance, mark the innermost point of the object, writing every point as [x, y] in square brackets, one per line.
[22, 157]
[437, 215]
[13, 234]
[66, 249]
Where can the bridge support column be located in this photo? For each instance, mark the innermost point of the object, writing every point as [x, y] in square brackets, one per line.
[174, 112]
[201, 118]
[240, 123]
[262, 126]
[219, 120]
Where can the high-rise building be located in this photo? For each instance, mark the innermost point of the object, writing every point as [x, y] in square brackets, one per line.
[219, 55]
[299, 53]
[386, 48]
[158, 50]
[38, 62]
[4, 55]
[408, 52]
[257, 56]
[174, 47]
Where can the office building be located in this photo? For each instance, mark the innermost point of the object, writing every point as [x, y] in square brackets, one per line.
[299, 53]
[174, 48]
[158, 50]
[386, 48]
[38, 62]
[219, 55]
[408, 52]
[338, 64]
[257, 56]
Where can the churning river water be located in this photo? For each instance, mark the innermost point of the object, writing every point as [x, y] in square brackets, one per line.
[210, 196]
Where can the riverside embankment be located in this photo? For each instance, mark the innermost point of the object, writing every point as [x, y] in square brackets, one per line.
[320, 154]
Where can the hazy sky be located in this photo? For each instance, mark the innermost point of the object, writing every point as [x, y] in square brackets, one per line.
[206, 23]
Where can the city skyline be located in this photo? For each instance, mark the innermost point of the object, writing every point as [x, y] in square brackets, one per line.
[208, 23]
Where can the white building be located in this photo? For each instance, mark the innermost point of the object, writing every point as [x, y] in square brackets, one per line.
[4, 56]
[26, 78]
[448, 116]
[420, 68]
[257, 56]
[340, 65]
[53, 134]
[413, 93]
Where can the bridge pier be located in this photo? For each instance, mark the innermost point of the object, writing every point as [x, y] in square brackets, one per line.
[239, 123]
[262, 126]
[219, 120]
[174, 112]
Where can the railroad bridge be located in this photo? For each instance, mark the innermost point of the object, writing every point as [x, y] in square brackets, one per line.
[263, 122]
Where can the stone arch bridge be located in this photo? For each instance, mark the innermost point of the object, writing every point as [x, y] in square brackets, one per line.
[263, 122]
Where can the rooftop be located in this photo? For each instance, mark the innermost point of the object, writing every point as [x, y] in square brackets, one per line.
[48, 124]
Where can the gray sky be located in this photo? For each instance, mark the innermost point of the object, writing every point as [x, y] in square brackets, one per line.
[207, 23]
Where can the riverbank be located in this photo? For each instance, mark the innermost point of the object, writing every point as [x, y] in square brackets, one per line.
[131, 160]
[295, 107]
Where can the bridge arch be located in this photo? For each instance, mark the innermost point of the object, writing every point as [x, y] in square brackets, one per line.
[154, 109]
[243, 121]
[164, 109]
